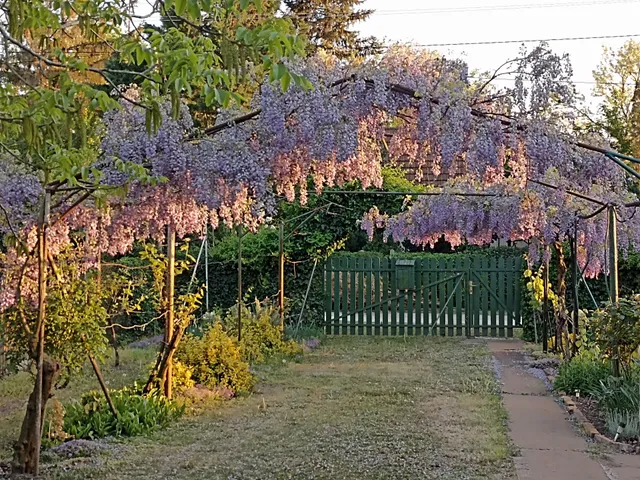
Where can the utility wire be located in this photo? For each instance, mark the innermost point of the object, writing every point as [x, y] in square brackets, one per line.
[585, 82]
[491, 8]
[501, 42]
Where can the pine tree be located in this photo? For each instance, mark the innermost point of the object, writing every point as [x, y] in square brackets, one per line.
[327, 25]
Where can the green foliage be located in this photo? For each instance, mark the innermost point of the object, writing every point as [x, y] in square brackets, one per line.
[137, 415]
[535, 287]
[581, 373]
[620, 109]
[261, 337]
[76, 318]
[215, 361]
[617, 330]
[619, 394]
[328, 25]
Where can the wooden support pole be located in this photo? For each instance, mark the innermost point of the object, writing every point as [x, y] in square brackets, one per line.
[576, 289]
[613, 274]
[43, 225]
[239, 282]
[281, 277]
[613, 256]
[545, 305]
[170, 291]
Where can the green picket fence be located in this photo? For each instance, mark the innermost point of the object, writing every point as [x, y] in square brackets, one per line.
[474, 296]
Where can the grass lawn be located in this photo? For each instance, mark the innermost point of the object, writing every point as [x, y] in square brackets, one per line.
[356, 408]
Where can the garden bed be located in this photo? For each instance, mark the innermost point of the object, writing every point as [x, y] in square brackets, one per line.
[591, 419]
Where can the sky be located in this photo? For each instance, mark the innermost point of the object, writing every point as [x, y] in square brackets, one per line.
[426, 22]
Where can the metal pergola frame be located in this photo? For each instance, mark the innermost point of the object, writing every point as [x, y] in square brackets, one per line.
[618, 158]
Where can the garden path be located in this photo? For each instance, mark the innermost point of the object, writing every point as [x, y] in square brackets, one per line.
[549, 446]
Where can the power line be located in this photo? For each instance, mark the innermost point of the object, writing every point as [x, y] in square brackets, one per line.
[490, 8]
[502, 42]
[579, 82]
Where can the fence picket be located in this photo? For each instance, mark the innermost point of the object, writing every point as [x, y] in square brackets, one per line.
[510, 295]
[375, 266]
[466, 297]
[385, 295]
[518, 297]
[402, 319]
[344, 286]
[442, 297]
[361, 308]
[492, 283]
[449, 295]
[480, 308]
[393, 294]
[368, 264]
[327, 297]
[336, 265]
[410, 330]
[500, 291]
[419, 322]
[459, 268]
[353, 307]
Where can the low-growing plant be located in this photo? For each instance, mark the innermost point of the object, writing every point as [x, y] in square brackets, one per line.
[581, 373]
[261, 337]
[618, 394]
[137, 414]
[629, 421]
[215, 360]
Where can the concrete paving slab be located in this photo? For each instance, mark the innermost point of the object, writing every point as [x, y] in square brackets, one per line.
[539, 423]
[624, 467]
[522, 382]
[557, 465]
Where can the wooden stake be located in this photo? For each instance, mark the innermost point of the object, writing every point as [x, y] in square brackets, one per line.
[168, 329]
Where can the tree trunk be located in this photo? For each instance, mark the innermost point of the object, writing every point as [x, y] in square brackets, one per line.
[26, 457]
[164, 359]
[27, 449]
[561, 291]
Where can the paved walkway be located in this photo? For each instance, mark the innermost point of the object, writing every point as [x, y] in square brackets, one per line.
[549, 446]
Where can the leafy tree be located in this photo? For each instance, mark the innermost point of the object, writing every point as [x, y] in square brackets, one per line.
[52, 165]
[328, 26]
[618, 85]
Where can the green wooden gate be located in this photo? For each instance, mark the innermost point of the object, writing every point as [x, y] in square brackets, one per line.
[474, 296]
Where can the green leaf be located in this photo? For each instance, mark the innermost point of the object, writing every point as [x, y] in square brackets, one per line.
[222, 97]
[29, 131]
[181, 6]
[285, 81]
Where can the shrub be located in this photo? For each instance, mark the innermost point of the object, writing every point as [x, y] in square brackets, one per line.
[182, 378]
[581, 373]
[137, 415]
[617, 330]
[261, 337]
[215, 361]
